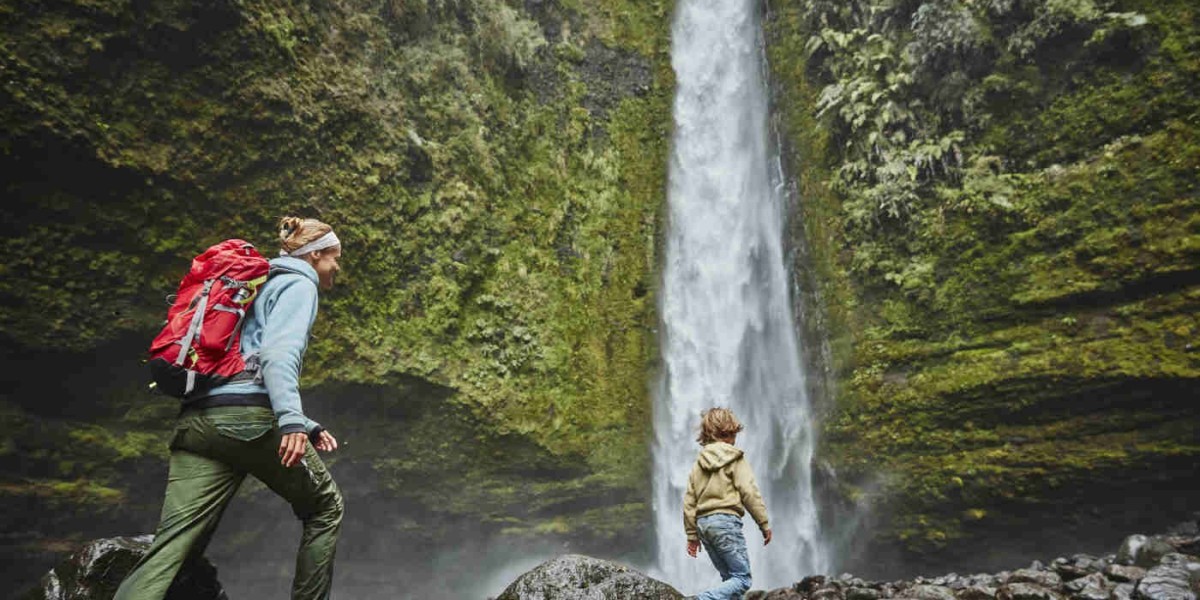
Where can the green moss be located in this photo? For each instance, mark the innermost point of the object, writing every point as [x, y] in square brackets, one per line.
[1017, 332]
[65, 494]
[499, 237]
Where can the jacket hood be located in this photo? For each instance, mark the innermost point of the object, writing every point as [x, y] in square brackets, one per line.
[291, 264]
[718, 454]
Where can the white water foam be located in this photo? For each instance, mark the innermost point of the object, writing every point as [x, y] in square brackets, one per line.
[728, 336]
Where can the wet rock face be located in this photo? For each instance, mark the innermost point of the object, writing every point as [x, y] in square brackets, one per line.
[96, 570]
[576, 577]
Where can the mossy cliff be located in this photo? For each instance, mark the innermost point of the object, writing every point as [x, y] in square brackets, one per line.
[496, 171]
[1001, 204]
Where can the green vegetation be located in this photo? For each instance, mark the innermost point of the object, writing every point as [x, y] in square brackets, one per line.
[497, 190]
[999, 200]
[1007, 248]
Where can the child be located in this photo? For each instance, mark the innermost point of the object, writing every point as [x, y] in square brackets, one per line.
[720, 484]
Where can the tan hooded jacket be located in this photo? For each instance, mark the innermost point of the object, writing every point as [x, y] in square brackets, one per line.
[721, 482]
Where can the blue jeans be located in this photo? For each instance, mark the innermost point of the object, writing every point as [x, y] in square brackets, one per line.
[722, 537]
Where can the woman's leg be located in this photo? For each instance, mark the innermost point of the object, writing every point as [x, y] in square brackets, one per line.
[317, 502]
[198, 490]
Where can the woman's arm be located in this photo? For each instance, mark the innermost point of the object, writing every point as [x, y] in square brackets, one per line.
[286, 329]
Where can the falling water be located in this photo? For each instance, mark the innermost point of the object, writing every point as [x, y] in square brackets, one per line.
[729, 337]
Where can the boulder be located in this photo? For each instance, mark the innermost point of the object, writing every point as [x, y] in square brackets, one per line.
[1026, 591]
[1124, 573]
[1046, 579]
[862, 593]
[808, 585]
[827, 593]
[779, 594]
[95, 571]
[1075, 567]
[1152, 552]
[976, 592]
[984, 579]
[1165, 582]
[1092, 587]
[1186, 545]
[1123, 591]
[577, 577]
[1127, 553]
[928, 592]
[1193, 569]
[1175, 559]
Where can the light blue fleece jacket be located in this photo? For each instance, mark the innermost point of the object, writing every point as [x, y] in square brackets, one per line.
[275, 336]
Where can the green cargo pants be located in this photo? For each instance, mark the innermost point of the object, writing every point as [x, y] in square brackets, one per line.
[211, 453]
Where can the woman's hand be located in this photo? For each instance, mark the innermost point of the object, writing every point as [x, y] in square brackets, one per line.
[766, 536]
[292, 447]
[693, 547]
[326, 442]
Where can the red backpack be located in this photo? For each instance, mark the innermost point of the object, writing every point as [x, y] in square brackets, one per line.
[200, 345]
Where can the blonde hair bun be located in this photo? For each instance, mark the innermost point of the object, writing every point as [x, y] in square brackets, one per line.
[295, 232]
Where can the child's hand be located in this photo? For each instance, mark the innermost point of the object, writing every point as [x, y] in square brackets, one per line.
[693, 547]
[766, 536]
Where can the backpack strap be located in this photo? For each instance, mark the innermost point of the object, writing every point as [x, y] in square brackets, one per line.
[194, 327]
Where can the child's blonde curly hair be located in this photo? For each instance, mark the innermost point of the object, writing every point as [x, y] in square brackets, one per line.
[716, 423]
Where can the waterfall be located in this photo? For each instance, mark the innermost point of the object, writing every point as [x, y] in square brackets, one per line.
[728, 336]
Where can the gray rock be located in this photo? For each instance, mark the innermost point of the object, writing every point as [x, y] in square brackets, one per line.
[1076, 585]
[984, 579]
[809, 584]
[1123, 591]
[779, 594]
[1075, 567]
[827, 593]
[1046, 579]
[1152, 552]
[577, 577]
[1186, 544]
[95, 571]
[976, 592]
[928, 592]
[1127, 553]
[1092, 587]
[1193, 569]
[1165, 583]
[1026, 591]
[862, 593]
[1123, 573]
[1174, 559]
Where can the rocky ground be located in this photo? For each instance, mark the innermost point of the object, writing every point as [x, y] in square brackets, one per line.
[1160, 567]
[95, 571]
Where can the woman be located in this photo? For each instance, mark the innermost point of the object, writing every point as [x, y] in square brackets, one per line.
[256, 425]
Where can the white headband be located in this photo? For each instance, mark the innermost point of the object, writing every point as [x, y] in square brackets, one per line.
[328, 240]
